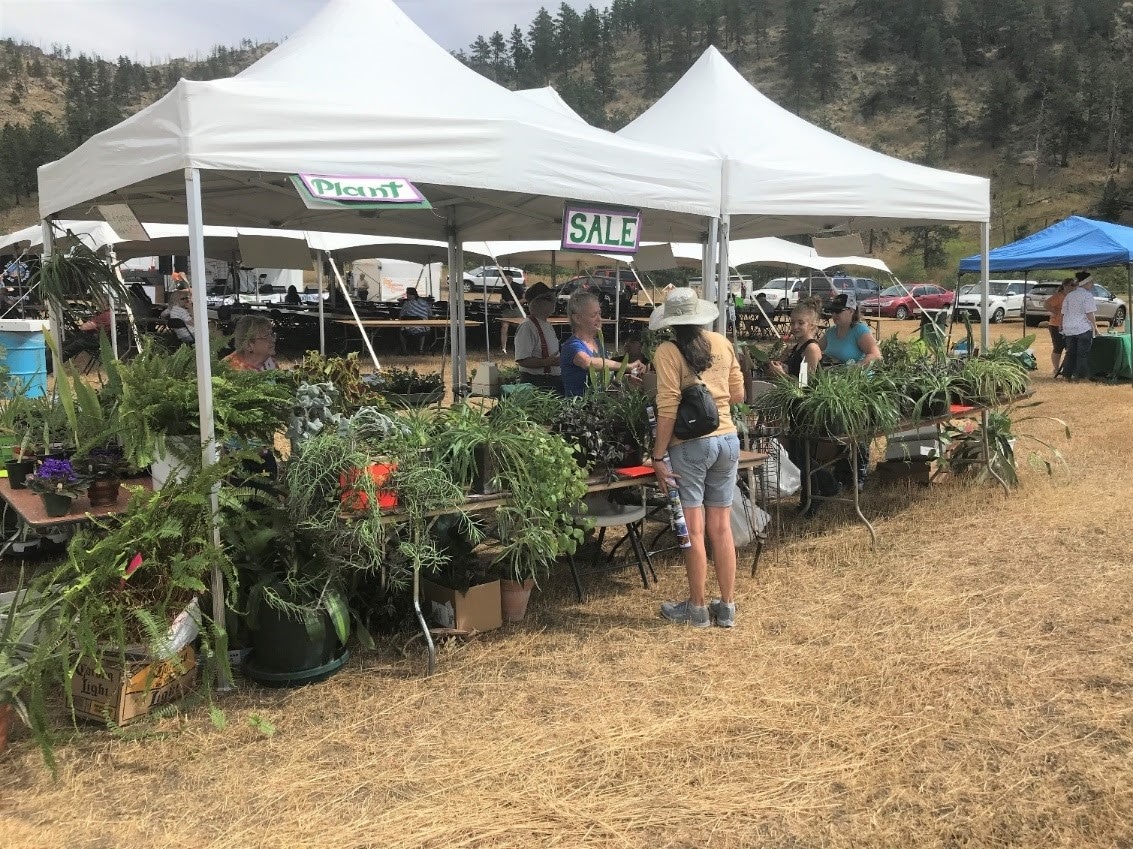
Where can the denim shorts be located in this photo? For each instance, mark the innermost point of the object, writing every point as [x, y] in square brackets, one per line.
[707, 469]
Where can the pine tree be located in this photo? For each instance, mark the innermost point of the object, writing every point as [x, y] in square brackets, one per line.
[541, 37]
[1112, 201]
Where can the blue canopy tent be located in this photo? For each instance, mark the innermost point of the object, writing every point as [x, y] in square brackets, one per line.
[1076, 242]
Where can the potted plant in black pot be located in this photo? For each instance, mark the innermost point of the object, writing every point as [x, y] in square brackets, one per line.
[59, 484]
[408, 387]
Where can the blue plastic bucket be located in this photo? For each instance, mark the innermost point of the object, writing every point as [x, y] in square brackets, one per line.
[24, 351]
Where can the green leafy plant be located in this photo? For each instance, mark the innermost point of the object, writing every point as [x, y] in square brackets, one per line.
[159, 401]
[965, 448]
[344, 373]
[77, 274]
[400, 381]
[124, 580]
[57, 477]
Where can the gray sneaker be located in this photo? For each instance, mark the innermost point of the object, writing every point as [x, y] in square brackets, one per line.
[724, 613]
[686, 613]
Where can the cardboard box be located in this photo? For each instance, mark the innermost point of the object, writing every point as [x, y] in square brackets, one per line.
[923, 472]
[914, 449]
[479, 609]
[123, 695]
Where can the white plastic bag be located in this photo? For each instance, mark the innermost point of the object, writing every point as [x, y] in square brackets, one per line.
[748, 520]
[779, 475]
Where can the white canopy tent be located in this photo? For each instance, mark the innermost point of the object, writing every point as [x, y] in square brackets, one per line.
[491, 164]
[548, 98]
[781, 175]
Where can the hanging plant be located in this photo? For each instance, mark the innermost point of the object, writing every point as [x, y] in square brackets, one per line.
[78, 274]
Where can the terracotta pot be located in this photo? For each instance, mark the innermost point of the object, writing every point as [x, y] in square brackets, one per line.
[7, 720]
[514, 597]
[103, 492]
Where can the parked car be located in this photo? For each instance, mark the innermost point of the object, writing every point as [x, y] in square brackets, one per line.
[1110, 307]
[902, 301]
[782, 292]
[863, 288]
[488, 277]
[606, 288]
[1005, 300]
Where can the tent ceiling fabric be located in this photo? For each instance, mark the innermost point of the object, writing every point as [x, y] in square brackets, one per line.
[1075, 242]
[785, 176]
[504, 162]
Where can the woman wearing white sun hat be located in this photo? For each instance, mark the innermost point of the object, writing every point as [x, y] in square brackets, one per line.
[704, 468]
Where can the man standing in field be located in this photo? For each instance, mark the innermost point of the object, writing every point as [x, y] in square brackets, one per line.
[1078, 326]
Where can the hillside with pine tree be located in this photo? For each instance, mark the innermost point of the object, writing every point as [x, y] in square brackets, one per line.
[1035, 94]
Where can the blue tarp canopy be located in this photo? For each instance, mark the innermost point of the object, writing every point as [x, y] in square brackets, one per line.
[1076, 242]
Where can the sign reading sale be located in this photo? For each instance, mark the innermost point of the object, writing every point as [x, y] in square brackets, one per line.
[601, 229]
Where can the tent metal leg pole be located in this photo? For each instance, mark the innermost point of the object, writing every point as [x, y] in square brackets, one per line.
[195, 210]
[985, 246]
[456, 310]
[320, 275]
[723, 278]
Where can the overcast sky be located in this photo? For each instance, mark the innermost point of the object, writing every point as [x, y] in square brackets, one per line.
[154, 30]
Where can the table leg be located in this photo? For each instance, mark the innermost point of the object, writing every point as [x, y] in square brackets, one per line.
[855, 450]
[432, 649]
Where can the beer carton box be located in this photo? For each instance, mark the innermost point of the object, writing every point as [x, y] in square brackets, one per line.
[123, 694]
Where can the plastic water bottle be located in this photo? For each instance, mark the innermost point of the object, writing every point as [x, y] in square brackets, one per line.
[676, 510]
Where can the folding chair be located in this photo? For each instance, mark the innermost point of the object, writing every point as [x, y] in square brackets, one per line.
[605, 513]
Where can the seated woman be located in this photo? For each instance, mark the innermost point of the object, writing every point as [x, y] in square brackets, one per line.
[255, 344]
[179, 313]
[849, 342]
[88, 332]
[292, 297]
[806, 349]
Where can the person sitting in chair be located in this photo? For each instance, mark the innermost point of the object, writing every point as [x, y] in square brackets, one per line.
[255, 344]
[88, 332]
[414, 307]
[179, 315]
[292, 297]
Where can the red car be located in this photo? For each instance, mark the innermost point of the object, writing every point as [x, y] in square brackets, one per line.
[902, 301]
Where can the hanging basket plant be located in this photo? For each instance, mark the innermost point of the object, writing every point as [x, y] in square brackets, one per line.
[76, 274]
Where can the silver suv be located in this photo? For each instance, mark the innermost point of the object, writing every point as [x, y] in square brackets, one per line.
[1110, 307]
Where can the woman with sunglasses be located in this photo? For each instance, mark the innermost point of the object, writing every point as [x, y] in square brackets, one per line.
[849, 342]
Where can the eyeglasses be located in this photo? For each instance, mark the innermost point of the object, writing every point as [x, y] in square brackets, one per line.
[271, 337]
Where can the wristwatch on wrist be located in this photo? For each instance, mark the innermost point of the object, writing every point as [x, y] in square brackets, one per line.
[658, 459]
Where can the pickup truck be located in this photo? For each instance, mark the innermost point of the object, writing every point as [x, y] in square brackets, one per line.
[1004, 300]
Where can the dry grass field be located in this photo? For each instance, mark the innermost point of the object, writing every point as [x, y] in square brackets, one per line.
[967, 684]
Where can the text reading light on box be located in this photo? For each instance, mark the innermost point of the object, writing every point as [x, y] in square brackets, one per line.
[320, 191]
[601, 229]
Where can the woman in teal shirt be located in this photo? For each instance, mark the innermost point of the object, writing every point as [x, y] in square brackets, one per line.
[849, 342]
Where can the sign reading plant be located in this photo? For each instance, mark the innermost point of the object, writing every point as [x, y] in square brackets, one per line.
[320, 191]
[601, 229]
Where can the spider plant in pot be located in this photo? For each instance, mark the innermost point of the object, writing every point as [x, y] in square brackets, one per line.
[965, 449]
[76, 274]
[846, 401]
[987, 381]
[933, 386]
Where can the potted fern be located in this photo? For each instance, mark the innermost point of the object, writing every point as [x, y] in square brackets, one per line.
[158, 407]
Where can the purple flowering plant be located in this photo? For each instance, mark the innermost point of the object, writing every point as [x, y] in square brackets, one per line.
[58, 477]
